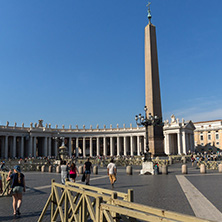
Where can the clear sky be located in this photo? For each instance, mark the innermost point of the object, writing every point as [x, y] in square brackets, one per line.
[82, 61]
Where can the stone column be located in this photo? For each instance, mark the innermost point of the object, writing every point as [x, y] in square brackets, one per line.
[118, 146]
[70, 146]
[111, 146]
[77, 147]
[45, 147]
[84, 147]
[179, 143]
[131, 145]
[192, 143]
[22, 147]
[2, 140]
[138, 145]
[34, 146]
[97, 146]
[166, 143]
[187, 143]
[104, 146]
[124, 145]
[56, 148]
[10, 143]
[50, 146]
[91, 146]
[30, 146]
[6, 147]
[77, 143]
[184, 142]
[14, 147]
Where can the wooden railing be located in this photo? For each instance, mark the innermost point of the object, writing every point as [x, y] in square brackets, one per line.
[77, 202]
[120, 195]
[126, 211]
[5, 184]
[81, 203]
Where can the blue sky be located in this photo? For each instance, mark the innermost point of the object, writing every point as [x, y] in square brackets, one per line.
[82, 62]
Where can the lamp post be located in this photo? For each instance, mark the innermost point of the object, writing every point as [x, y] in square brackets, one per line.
[147, 121]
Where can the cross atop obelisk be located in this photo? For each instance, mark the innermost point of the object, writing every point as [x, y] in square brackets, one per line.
[152, 87]
[149, 12]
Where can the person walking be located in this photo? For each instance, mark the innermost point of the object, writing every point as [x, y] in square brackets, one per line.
[87, 170]
[73, 172]
[64, 171]
[111, 171]
[17, 186]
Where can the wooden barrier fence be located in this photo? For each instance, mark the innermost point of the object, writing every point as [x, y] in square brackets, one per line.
[81, 203]
[5, 184]
[125, 196]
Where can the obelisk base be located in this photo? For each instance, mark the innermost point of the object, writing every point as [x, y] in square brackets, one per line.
[147, 168]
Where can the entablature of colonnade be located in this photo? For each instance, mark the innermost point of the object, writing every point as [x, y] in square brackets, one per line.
[175, 125]
[44, 131]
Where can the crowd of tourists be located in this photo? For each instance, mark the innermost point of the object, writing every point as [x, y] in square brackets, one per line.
[68, 171]
[204, 157]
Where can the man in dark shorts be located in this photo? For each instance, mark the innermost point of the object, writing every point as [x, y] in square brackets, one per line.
[87, 170]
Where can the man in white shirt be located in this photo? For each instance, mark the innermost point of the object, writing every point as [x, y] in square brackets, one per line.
[111, 171]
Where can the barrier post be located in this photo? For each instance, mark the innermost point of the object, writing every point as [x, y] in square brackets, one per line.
[66, 204]
[66, 200]
[184, 169]
[220, 168]
[53, 198]
[113, 196]
[98, 202]
[130, 195]
[202, 168]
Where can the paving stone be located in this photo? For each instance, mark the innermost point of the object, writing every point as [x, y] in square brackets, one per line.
[161, 191]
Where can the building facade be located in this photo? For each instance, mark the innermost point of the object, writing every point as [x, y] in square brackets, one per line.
[208, 135]
[178, 136]
[39, 140]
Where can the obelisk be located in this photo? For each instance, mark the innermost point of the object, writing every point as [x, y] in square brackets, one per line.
[152, 88]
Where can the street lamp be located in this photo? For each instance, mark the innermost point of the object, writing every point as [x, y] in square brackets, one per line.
[148, 121]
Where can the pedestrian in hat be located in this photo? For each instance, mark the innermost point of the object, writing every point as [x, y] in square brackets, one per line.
[17, 186]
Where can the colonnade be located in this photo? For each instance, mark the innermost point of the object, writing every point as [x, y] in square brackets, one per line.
[178, 142]
[31, 145]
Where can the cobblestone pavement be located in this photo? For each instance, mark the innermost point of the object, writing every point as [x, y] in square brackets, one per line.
[161, 191]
